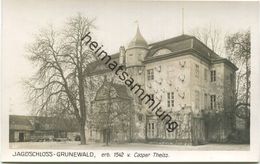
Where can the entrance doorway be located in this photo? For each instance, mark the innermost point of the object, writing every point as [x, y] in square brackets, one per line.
[21, 137]
[106, 135]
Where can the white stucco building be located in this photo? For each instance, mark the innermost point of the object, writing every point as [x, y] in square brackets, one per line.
[193, 84]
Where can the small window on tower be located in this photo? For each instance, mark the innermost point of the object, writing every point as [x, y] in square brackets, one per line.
[139, 57]
[197, 70]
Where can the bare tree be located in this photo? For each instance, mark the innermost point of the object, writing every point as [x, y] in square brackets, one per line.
[61, 60]
[211, 36]
[112, 112]
[238, 47]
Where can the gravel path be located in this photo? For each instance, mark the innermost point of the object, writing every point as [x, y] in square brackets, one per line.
[129, 146]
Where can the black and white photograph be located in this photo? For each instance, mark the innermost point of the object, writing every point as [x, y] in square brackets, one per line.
[86, 80]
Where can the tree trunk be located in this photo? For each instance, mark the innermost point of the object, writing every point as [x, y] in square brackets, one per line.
[247, 91]
[82, 134]
[247, 81]
[82, 106]
[107, 135]
[146, 130]
[131, 127]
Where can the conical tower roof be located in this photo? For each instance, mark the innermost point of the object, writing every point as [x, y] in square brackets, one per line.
[138, 40]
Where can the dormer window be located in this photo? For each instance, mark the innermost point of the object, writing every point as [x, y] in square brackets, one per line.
[162, 51]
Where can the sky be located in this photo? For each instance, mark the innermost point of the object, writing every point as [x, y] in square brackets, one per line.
[116, 26]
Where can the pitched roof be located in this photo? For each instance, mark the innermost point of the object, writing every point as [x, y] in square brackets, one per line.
[170, 40]
[99, 67]
[178, 46]
[17, 122]
[116, 91]
[181, 43]
[121, 90]
[40, 123]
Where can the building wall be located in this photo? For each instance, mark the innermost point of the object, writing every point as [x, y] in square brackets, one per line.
[15, 135]
[189, 78]
[229, 87]
[199, 84]
[167, 78]
[198, 89]
[178, 75]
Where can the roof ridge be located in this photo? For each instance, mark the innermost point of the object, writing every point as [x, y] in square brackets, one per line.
[170, 39]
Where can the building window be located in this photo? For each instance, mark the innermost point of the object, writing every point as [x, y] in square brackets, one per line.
[197, 99]
[205, 101]
[213, 75]
[170, 99]
[151, 129]
[197, 70]
[150, 74]
[212, 101]
[205, 74]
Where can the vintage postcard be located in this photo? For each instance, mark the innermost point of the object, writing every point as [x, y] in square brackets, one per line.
[160, 81]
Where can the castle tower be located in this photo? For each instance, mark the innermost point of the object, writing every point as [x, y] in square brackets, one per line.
[136, 51]
[134, 57]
